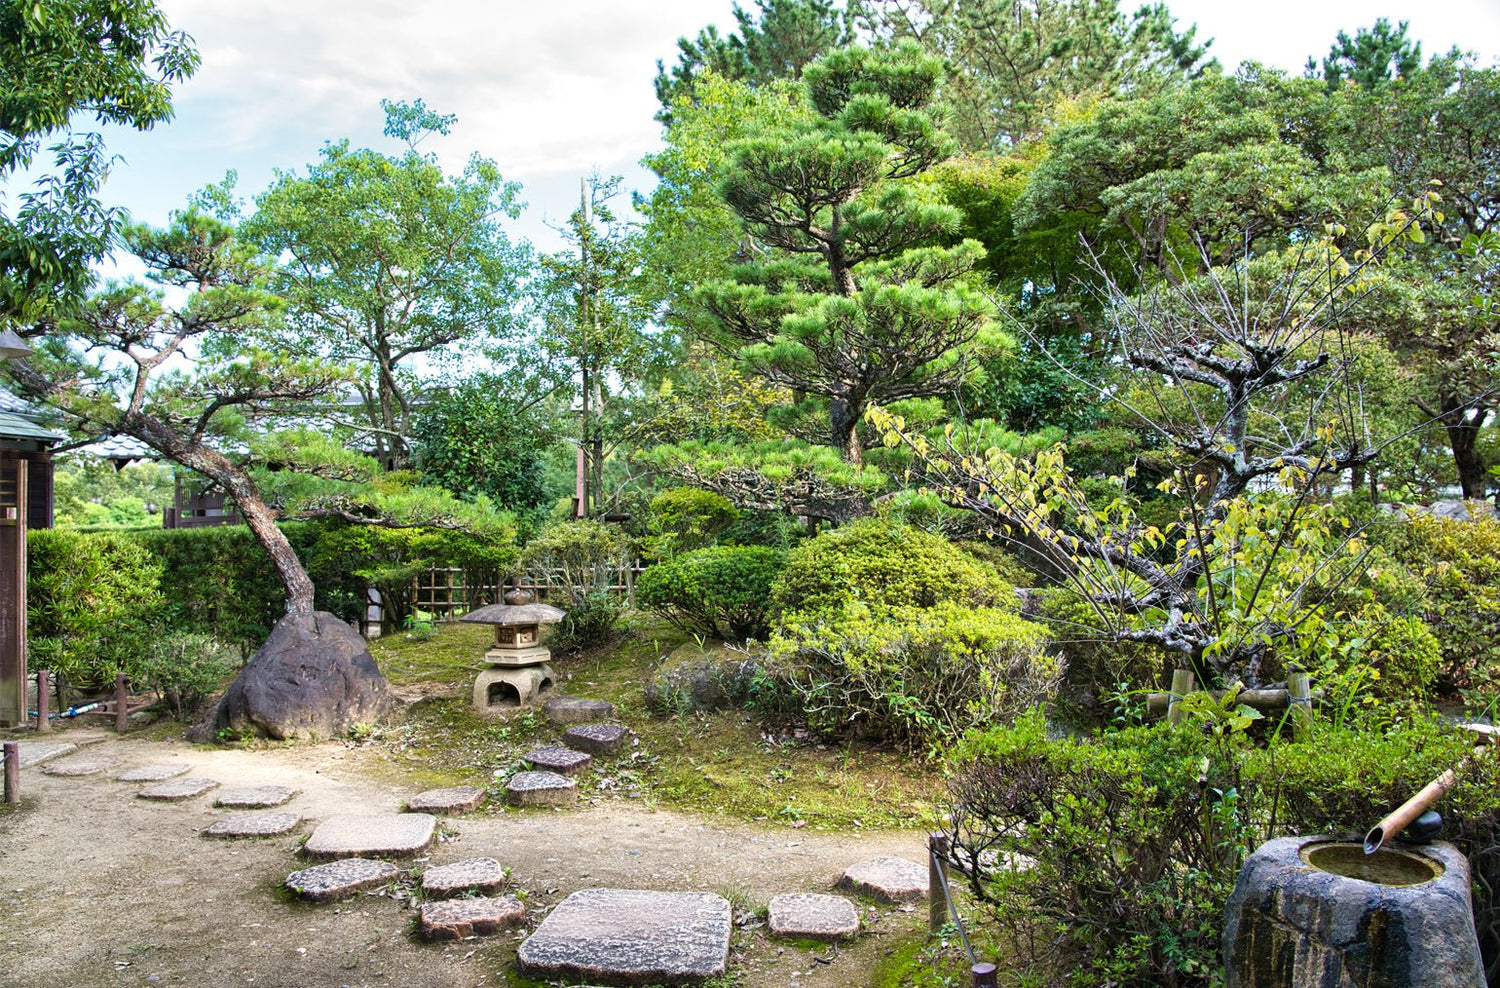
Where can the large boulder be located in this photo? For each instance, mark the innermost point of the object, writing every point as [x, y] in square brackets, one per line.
[700, 678]
[313, 678]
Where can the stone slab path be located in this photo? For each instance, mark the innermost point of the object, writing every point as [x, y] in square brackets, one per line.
[458, 919]
[447, 802]
[253, 824]
[890, 880]
[84, 763]
[541, 789]
[811, 916]
[563, 761]
[577, 710]
[154, 773]
[597, 739]
[326, 882]
[176, 790]
[255, 797]
[631, 937]
[36, 752]
[476, 875]
[372, 835]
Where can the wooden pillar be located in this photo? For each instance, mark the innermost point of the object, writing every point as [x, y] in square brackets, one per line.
[12, 772]
[122, 703]
[985, 976]
[937, 880]
[43, 701]
[13, 513]
[1182, 684]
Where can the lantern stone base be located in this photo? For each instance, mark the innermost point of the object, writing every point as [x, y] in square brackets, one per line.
[516, 658]
[499, 691]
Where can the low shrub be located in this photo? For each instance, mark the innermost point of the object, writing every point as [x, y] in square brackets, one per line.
[185, 669]
[588, 623]
[882, 564]
[721, 592]
[687, 518]
[576, 562]
[912, 675]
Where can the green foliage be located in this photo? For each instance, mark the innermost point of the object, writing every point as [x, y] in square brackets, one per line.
[1459, 563]
[185, 669]
[911, 675]
[687, 518]
[480, 437]
[880, 565]
[114, 60]
[94, 603]
[90, 492]
[577, 563]
[722, 592]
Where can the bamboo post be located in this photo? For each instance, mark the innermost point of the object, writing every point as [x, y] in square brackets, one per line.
[12, 772]
[1182, 684]
[122, 704]
[43, 701]
[985, 976]
[1299, 694]
[937, 880]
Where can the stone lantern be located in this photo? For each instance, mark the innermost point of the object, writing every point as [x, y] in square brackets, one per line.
[519, 670]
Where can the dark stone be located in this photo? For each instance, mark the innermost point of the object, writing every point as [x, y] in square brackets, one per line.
[541, 789]
[1291, 924]
[337, 879]
[629, 937]
[577, 710]
[695, 679]
[458, 919]
[476, 874]
[598, 739]
[563, 761]
[313, 678]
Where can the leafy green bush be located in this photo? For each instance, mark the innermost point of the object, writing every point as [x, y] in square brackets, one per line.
[687, 518]
[94, 603]
[879, 564]
[185, 669]
[1459, 563]
[1135, 837]
[722, 592]
[577, 562]
[587, 623]
[913, 675]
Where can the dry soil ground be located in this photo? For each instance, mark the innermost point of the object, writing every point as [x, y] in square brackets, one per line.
[98, 887]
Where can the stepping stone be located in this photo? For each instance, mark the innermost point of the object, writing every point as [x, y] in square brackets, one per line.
[628, 937]
[178, 789]
[255, 797]
[542, 789]
[340, 878]
[34, 752]
[890, 880]
[86, 763]
[577, 710]
[481, 874]
[563, 761]
[458, 919]
[601, 739]
[810, 916]
[153, 773]
[357, 835]
[446, 802]
[254, 825]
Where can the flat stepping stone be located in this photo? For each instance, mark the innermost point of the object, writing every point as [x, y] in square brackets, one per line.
[178, 789]
[890, 880]
[446, 802]
[153, 773]
[255, 797]
[811, 916]
[359, 835]
[340, 878]
[479, 874]
[577, 710]
[600, 739]
[563, 761]
[459, 919]
[86, 763]
[629, 937]
[36, 752]
[541, 789]
[251, 824]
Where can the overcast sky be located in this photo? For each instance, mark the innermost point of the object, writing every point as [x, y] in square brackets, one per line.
[550, 90]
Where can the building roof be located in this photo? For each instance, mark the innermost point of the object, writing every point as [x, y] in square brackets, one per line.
[16, 426]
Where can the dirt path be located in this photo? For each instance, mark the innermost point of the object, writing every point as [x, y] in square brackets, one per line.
[98, 887]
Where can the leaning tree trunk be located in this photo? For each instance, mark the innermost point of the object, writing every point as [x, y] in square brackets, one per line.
[1462, 425]
[314, 676]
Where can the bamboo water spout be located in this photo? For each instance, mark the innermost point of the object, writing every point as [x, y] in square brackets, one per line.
[1401, 818]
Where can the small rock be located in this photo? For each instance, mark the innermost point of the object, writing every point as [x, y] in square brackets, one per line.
[254, 825]
[153, 773]
[447, 802]
[178, 789]
[340, 878]
[479, 874]
[542, 789]
[809, 916]
[86, 763]
[563, 761]
[455, 919]
[890, 880]
[600, 739]
[577, 710]
[358, 835]
[255, 797]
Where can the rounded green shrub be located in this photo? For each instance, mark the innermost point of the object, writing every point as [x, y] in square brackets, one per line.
[688, 518]
[722, 592]
[913, 675]
[879, 564]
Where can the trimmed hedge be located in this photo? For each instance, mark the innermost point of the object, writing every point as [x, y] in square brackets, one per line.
[722, 592]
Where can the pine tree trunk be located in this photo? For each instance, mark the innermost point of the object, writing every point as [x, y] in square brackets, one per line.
[1463, 438]
[844, 420]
